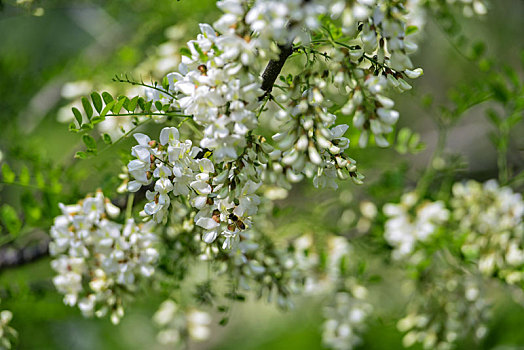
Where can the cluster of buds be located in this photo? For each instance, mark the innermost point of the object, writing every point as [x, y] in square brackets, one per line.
[310, 142]
[376, 63]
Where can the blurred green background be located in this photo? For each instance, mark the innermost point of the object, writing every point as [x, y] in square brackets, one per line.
[42, 50]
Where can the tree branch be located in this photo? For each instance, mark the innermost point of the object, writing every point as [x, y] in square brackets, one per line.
[13, 257]
[273, 69]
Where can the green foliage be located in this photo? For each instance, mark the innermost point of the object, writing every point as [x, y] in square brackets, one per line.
[7, 174]
[10, 220]
[408, 142]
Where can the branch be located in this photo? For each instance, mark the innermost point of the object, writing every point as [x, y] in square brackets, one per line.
[12, 257]
[273, 69]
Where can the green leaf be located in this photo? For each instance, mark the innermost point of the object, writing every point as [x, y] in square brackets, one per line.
[411, 30]
[185, 52]
[8, 174]
[513, 119]
[500, 91]
[165, 83]
[478, 50]
[78, 115]
[201, 53]
[81, 155]
[32, 210]
[107, 97]
[107, 108]
[10, 219]
[89, 142]
[107, 139]
[493, 116]
[149, 104]
[97, 101]
[141, 103]
[25, 176]
[87, 108]
[40, 179]
[132, 104]
[72, 127]
[97, 119]
[118, 105]
[158, 105]
[414, 144]
[87, 127]
[126, 103]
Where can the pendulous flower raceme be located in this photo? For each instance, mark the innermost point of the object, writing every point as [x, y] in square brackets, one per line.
[450, 252]
[489, 221]
[411, 222]
[98, 260]
[224, 198]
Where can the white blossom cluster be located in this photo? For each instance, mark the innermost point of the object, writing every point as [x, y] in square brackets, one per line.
[451, 307]
[8, 334]
[97, 259]
[273, 272]
[348, 309]
[376, 64]
[345, 317]
[490, 222]
[412, 221]
[310, 143]
[225, 200]
[283, 22]
[216, 87]
[381, 30]
[218, 82]
[177, 324]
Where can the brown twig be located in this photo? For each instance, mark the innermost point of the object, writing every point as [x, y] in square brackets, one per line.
[273, 69]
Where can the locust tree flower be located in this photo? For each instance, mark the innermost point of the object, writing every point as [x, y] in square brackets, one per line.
[410, 222]
[95, 258]
[490, 219]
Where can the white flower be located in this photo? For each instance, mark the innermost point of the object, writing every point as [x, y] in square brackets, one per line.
[88, 247]
[491, 218]
[403, 230]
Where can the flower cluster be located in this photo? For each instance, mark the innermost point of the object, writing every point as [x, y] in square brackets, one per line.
[489, 219]
[282, 22]
[257, 264]
[378, 62]
[345, 317]
[225, 199]
[216, 87]
[310, 143]
[97, 259]
[410, 222]
[450, 307]
[346, 314]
